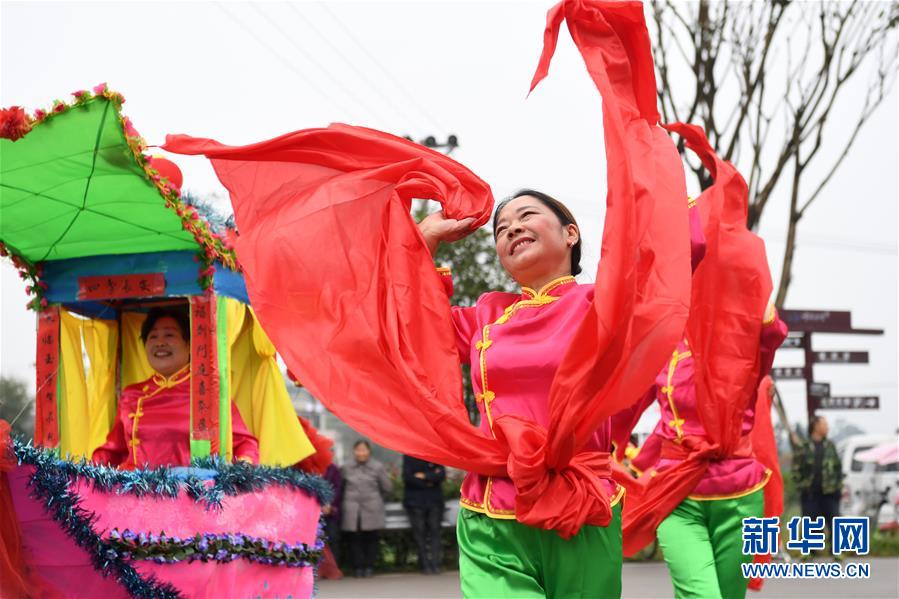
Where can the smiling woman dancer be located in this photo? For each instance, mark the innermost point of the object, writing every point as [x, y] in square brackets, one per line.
[520, 341]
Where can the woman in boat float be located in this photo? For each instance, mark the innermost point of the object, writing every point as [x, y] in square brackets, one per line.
[152, 425]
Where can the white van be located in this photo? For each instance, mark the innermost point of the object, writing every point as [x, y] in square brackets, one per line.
[864, 482]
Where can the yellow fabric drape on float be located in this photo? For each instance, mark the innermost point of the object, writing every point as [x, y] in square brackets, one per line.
[258, 388]
[285, 441]
[101, 342]
[135, 367]
[74, 414]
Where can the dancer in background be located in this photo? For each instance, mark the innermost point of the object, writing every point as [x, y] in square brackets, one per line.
[707, 477]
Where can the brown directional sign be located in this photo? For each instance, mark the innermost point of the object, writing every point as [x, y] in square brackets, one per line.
[789, 372]
[821, 390]
[840, 357]
[816, 320]
[802, 324]
[850, 402]
[792, 342]
[822, 321]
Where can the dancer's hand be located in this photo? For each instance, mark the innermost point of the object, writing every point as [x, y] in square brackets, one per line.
[436, 228]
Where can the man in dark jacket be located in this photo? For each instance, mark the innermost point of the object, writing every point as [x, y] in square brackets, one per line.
[423, 500]
[818, 473]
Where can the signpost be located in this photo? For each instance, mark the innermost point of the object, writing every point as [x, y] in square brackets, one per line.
[820, 390]
[802, 324]
[793, 341]
[841, 357]
[866, 402]
[790, 372]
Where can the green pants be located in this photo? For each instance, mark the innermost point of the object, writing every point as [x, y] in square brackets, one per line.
[503, 558]
[703, 546]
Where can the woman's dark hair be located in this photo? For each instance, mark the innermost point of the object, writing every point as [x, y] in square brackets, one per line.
[178, 314]
[362, 442]
[559, 209]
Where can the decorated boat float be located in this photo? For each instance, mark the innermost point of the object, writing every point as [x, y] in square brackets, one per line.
[100, 234]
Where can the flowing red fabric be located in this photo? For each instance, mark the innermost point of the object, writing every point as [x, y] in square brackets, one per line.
[764, 446]
[344, 285]
[328, 568]
[731, 288]
[12, 566]
[319, 461]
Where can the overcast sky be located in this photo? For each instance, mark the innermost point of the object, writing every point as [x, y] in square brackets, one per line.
[242, 72]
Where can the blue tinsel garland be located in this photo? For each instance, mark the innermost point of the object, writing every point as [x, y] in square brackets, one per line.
[53, 477]
[230, 479]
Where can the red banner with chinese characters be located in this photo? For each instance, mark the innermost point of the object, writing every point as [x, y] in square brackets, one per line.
[46, 417]
[204, 386]
[121, 286]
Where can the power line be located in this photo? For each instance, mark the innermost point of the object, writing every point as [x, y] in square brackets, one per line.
[311, 59]
[336, 49]
[399, 86]
[285, 62]
[821, 242]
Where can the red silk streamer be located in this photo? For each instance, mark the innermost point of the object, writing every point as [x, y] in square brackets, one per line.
[204, 383]
[13, 571]
[121, 286]
[731, 287]
[319, 461]
[764, 445]
[46, 418]
[342, 281]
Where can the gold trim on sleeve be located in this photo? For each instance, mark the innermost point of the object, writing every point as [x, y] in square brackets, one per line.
[668, 390]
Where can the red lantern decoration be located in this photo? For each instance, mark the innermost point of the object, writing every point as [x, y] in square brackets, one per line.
[168, 169]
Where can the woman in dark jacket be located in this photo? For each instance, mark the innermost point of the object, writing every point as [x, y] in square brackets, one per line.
[364, 485]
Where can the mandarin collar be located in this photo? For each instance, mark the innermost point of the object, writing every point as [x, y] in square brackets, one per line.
[554, 288]
[176, 378]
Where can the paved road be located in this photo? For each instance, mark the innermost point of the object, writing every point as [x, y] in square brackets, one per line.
[643, 580]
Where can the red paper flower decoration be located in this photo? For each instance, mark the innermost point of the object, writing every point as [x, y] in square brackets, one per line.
[14, 123]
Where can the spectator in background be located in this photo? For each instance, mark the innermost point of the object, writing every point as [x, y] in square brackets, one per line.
[365, 483]
[423, 500]
[331, 511]
[818, 473]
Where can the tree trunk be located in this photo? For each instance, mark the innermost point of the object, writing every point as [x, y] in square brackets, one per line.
[786, 270]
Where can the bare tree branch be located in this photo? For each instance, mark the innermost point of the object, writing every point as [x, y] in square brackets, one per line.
[756, 65]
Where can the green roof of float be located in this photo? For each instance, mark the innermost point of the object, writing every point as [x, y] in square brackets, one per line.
[72, 187]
